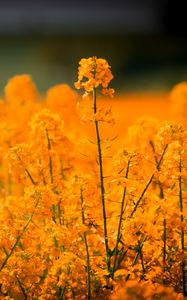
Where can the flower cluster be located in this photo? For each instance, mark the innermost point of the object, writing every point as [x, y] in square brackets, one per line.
[92, 73]
[83, 216]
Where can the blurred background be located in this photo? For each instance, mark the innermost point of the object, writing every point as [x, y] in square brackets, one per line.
[145, 41]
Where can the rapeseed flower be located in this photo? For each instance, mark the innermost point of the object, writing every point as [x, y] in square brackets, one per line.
[92, 73]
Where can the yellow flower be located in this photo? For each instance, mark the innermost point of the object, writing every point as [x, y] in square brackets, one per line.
[20, 89]
[92, 73]
[179, 93]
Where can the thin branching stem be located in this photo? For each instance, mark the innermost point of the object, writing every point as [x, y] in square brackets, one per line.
[182, 229]
[141, 257]
[158, 168]
[141, 196]
[154, 151]
[22, 288]
[121, 258]
[19, 237]
[138, 253]
[102, 189]
[50, 157]
[161, 197]
[28, 173]
[165, 239]
[120, 221]
[148, 183]
[51, 170]
[87, 249]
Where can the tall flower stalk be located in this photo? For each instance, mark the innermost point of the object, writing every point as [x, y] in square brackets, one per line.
[102, 188]
[93, 73]
[120, 222]
[87, 249]
[161, 195]
[183, 265]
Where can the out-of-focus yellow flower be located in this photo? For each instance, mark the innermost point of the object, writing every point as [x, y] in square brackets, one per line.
[179, 93]
[178, 97]
[60, 97]
[20, 89]
[92, 73]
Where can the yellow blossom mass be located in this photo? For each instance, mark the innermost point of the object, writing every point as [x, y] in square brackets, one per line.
[93, 205]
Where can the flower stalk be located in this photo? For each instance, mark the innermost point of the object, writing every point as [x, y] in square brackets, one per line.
[120, 222]
[102, 188]
[183, 265]
[87, 249]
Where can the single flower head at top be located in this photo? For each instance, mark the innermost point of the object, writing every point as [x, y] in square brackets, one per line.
[92, 73]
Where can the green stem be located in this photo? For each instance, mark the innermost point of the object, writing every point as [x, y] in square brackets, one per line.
[28, 173]
[140, 246]
[102, 189]
[141, 257]
[164, 248]
[121, 258]
[62, 292]
[148, 183]
[161, 197]
[19, 237]
[26, 170]
[59, 214]
[50, 158]
[119, 225]
[87, 251]
[158, 168]
[182, 230]
[21, 287]
[51, 171]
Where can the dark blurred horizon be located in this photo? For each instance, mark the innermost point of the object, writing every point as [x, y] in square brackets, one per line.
[144, 41]
[93, 17]
[78, 17]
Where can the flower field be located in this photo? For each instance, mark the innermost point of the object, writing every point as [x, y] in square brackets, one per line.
[93, 190]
